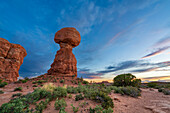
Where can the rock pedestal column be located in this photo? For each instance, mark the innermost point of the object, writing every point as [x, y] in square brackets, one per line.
[65, 63]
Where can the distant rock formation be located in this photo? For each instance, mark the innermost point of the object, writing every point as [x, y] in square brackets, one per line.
[11, 58]
[65, 63]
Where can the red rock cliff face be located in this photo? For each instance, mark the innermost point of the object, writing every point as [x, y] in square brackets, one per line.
[11, 58]
[65, 63]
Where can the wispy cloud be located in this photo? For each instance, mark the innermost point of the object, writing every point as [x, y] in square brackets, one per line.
[163, 42]
[136, 66]
[123, 32]
[86, 73]
[157, 52]
[162, 45]
[157, 78]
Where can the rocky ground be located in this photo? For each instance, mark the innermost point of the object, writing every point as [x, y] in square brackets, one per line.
[150, 101]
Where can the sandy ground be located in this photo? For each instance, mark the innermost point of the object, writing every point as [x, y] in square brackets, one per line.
[150, 101]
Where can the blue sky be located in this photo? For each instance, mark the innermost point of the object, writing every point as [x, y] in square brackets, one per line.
[118, 36]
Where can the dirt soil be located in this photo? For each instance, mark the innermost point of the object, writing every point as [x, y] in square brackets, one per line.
[150, 101]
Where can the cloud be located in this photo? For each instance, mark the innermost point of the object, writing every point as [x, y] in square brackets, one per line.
[145, 70]
[136, 66]
[157, 52]
[158, 77]
[123, 32]
[86, 73]
[124, 65]
[163, 42]
[163, 45]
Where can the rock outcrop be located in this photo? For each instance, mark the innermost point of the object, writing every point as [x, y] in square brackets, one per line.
[65, 63]
[11, 58]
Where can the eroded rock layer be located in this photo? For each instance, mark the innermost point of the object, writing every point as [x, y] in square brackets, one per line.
[11, 58]
[65, 63]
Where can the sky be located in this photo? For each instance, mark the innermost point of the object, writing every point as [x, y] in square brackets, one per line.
[117, 36]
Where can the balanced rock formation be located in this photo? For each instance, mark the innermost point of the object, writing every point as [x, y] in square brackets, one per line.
[11, 58]
[65, 63]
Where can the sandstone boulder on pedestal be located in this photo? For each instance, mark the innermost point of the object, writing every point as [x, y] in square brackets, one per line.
[11, 58]
[65, 63]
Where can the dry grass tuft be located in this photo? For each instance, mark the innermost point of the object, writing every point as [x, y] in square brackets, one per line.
[49, 87]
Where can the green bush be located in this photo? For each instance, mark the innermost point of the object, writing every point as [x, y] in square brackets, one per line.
[41, 106]
[69, 96]
[62, 81]
[79, 97]
[26, 78]
[60, 103]
[1, 92]
[98, 109]
[24, 81]
[62, 110]
[85, 82]
[103, 98]
[17, 94]
[34, 86]
[71, 89]
[166, 91]
[75, 109]
[3, 84]
[152, 85]
[39, 81]
[160, 89]
[60, 92]
[92, 110]
[126, 80]
[109, 110]
[18, 89]
[131, 91]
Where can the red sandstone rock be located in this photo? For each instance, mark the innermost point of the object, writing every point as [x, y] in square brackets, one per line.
[11, 58]
[65, 63]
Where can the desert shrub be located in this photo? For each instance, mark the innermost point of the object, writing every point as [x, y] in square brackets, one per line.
[18, 89]
[60, 92]
[3, 84]
[109, 110]
[69, 96]
[17, 94]
[71, 89]
[79, 97]
[62, 81]
[26, 78]
[34, 86]
[1, 92]
[85, 82]
[75, 109]
[98, 109]
[126, 80]
[60, 103]
[91, 110]
[39, 81]
[41, 106]
[62, 110]
[103, 98]
[166, 91]
[160, 89]
[131, 91]
[118, 90]
[152, 85]
[23, 80]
